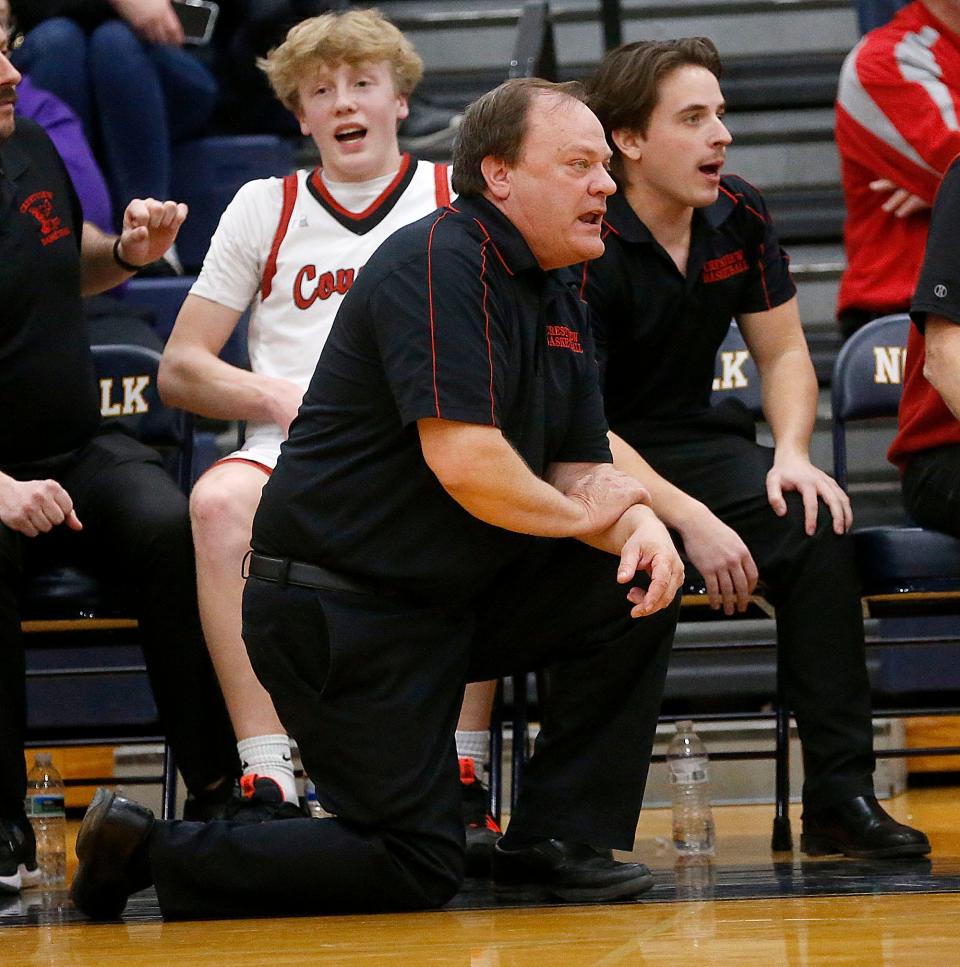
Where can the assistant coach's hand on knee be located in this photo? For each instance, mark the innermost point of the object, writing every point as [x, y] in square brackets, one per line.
[649, 548]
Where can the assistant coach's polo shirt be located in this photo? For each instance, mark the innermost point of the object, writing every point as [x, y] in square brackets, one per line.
[658, 331]
[451, 318]
[48, 390]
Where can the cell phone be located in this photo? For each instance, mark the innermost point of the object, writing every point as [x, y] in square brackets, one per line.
[197, 18]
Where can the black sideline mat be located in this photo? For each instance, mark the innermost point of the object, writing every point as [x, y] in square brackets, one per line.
[698, 879]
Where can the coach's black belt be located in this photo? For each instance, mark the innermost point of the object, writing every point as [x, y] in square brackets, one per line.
[284, 571]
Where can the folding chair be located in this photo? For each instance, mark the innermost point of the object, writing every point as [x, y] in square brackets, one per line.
[83, 685]
[904, 569]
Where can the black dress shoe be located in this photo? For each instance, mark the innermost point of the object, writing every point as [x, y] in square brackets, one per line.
[112, 849]
[570, 871]
[862, 828]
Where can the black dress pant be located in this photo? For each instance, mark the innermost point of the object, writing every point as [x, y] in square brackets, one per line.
[371, 686]
[812, 582]
[136, 528]
[931, 489]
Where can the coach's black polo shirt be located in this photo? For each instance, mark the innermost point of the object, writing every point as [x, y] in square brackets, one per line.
[451, 318]
[48, 391]
[658, 331]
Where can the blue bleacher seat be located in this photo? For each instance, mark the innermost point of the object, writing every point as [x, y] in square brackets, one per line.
[206, 175]
[162, 296]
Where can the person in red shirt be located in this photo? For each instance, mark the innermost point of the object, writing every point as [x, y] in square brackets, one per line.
[927, 445]
[897, 131]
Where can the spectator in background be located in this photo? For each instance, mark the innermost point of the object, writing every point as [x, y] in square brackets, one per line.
[66, 133]
[875, 13]
[927, 446]
[121, 67]
[897, 132]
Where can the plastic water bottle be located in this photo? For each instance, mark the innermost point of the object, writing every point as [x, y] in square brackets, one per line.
[47, 815]
[310, 796]
[314, 807]
[693, 831]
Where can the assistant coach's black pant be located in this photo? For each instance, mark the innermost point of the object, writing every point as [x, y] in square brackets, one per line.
[812, 582]
[370, 687]
[931, 488]
[136, 529]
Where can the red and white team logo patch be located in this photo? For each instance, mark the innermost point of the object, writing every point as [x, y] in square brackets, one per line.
[560, 337]
[733, 263]
[40, 205]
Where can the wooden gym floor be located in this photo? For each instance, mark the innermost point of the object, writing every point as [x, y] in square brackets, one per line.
[746, 906]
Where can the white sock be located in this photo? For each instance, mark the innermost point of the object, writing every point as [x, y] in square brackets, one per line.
[269, 755]
[476, 746]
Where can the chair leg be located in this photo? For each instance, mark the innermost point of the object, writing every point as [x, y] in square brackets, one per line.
[169, 788]
[496, 754]
[520, 751]
[782, 839]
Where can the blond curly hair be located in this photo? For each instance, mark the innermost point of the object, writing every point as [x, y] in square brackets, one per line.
[353, 37]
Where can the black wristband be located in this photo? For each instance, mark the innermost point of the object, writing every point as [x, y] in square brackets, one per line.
[121, 261]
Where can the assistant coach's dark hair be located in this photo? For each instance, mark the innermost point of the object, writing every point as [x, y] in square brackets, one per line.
[625, 87]
[496, 124]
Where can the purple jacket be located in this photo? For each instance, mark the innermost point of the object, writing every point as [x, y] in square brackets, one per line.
[66, 132]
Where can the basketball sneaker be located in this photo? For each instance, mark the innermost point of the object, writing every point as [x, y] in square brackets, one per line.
[18, 855]
[481, 828]
[259, 800]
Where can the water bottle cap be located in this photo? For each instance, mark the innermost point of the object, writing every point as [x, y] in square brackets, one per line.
[685, 726]
[44, 759]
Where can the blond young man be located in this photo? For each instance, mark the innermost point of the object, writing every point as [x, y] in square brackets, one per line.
[289, 250]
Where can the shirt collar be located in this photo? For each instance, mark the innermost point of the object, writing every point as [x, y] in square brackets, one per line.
[511, 246]
[13, 160]
[624, 220]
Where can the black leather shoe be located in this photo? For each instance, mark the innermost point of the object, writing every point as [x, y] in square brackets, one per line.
[862, 828]
[112, 849]
[571, 871]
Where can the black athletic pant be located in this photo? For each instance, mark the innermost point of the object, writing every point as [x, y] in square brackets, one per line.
[813, 584]
[370, 687]
[931, 489]
[135, 527]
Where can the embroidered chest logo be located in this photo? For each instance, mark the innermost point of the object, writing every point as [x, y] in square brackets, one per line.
[560, 337]
[733, 263]
[40, 205]
[308, 287]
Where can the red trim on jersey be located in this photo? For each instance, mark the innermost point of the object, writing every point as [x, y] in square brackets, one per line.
[433, 339]
[230, 459]
[289, 200]
[441, 183]
[321, 189]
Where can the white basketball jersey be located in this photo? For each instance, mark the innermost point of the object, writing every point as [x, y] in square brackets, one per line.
[316, 252]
